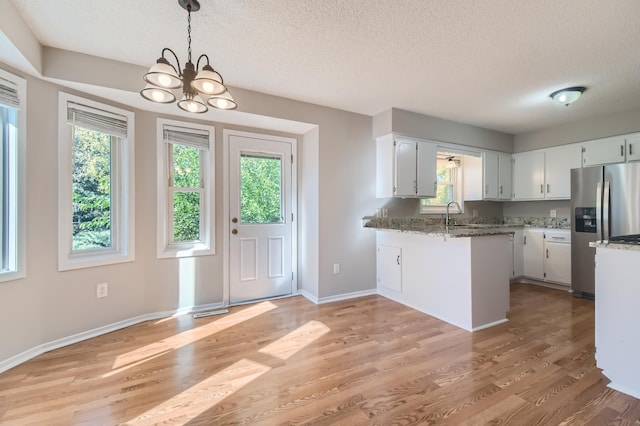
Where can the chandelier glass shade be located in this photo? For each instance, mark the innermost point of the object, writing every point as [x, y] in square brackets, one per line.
[207, 83]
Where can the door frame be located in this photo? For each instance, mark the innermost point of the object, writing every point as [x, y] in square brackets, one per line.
[226, 192]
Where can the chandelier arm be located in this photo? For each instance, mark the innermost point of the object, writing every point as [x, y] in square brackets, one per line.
[178, 72]
[200, 57]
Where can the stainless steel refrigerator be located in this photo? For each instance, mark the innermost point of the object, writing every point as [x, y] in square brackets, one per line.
[605, 204]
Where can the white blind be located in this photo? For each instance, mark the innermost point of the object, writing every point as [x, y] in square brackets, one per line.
[9, 93]
[96, 119]
[195, 138]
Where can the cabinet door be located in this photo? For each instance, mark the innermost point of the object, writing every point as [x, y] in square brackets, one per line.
[426, 169]
[518, 254]
[557, 262]
[385, 158]
[504, 176]
[528, 175]
[405, 168]
[490, 175]
[533, 253]
[633, 148]
[603, 151]
[390, 267]
[558, 163]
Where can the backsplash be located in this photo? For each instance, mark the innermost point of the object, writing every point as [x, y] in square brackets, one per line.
[421, 223]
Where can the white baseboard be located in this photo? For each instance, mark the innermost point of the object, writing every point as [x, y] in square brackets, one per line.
[338, 297]
[79, 337]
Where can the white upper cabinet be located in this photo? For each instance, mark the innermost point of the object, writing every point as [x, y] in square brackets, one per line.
[490, 175]
[633, 147]
[558, 163]
[505, 176]
[528, 175]
[405, 167]
[496, 176]
[545, 174]
[426, 170]
[604, 151]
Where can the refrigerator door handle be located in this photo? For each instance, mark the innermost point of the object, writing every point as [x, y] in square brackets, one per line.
[605, 212]
[599, 211]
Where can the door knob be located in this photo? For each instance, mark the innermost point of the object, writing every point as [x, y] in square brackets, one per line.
[234, 220]
[234, 231]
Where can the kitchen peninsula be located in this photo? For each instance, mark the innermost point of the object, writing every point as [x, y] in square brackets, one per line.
[617, 315]
[459, 274]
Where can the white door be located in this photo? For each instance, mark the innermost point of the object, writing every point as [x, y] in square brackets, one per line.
[261, 216]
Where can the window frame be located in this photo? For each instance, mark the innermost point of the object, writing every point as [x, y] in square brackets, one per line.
[16, 194]
[122, 192]
[166, 248]
[458, 185]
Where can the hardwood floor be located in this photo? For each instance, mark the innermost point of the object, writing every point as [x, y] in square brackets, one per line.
[358, 362]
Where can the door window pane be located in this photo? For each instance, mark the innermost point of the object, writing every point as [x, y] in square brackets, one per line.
[186, 216]
[91, 189]
[260, 189]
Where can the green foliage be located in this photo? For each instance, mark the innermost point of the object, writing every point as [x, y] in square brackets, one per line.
[186, 204]
[260, 179]
[91, 189]
[186, 216]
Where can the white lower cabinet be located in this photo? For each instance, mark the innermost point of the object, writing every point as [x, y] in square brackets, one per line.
[532, 253]
[518, 255]
[547, 255]
[389, 261]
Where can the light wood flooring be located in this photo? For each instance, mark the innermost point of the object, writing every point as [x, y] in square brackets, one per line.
[364, 361]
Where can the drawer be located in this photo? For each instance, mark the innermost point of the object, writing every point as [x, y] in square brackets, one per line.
[558, 235]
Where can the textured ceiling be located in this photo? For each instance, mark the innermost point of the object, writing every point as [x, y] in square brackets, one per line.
[490, 63]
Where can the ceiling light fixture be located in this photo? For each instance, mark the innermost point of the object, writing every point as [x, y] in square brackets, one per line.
[452, 163]
[568, 95]
[163, 77]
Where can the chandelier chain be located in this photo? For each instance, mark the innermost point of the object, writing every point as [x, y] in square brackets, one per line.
[189, 30]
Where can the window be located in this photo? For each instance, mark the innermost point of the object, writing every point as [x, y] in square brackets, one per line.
[13, 119]
[449, 184]
[95, 184]
[185, 189]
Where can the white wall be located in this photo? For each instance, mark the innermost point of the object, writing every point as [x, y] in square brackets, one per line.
[426, 127]
[578, 131]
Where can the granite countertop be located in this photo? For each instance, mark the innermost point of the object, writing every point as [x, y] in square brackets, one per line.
[618, 246]
[435, 226]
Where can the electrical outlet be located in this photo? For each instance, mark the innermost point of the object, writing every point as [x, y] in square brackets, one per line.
[102, 290]
[475, 213]
[336, 268]
[553, 213]
[385, 213]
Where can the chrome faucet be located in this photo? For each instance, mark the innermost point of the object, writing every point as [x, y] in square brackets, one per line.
[446, 222]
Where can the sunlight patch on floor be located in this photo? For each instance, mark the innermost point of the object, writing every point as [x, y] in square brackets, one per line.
[189, 404]
[293, 342]
[177, 341]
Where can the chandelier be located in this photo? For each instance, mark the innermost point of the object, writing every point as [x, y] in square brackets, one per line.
[163, 77]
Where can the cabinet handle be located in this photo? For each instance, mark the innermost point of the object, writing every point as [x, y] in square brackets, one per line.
[621, 150]
[541, 188]
[398, 259]
[547, 253]
[548, 186]
[524, 242]
[500, 189]
[486, 189]
[630, 149]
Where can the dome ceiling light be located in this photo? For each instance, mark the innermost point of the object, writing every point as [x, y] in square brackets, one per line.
[567, 96]
[207, 83]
